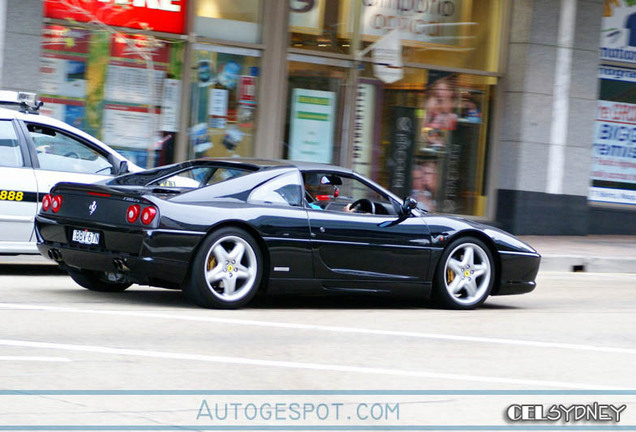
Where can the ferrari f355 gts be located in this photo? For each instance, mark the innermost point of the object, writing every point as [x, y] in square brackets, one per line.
[221, 230]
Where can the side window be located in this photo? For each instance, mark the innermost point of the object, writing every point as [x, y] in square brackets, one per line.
[336, 192]
[285, 189]
[10, 154]
[57, 151]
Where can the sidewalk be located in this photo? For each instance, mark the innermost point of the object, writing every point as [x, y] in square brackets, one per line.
[595, 253]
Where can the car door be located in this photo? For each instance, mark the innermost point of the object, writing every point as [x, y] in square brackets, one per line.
[18, 192]
[60, 156]
[362, 246]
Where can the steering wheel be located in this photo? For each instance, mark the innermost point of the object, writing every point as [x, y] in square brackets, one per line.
[72, 154]
[363, 205]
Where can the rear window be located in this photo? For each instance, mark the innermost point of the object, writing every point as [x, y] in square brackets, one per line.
[194, 178]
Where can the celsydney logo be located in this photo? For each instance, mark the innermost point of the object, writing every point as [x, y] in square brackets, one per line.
[593, 412]
[92, 208]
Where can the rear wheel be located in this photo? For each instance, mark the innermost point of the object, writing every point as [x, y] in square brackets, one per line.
[465, 274]
[97, 281]
[227, 270]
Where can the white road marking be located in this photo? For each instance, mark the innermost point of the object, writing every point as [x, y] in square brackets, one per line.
[333, 329]
[34, 359]
[302, 365]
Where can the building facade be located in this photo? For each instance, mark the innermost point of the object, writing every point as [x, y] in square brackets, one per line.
[488, 109]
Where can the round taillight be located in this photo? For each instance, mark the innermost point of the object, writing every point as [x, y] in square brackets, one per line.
[56, 203]
[148, 215]
[46, 202]
[132, 213]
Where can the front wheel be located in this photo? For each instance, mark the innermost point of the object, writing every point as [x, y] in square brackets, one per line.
[227, 270]
[465, 274]
[96, 281]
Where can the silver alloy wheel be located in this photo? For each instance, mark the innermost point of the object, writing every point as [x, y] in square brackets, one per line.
[467, 273]
[231, 268]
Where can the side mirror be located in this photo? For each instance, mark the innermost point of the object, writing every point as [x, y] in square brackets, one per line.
[408, 205]
[123, 167]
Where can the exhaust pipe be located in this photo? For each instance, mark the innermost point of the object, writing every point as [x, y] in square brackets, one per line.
[121, 265]
[55, 255]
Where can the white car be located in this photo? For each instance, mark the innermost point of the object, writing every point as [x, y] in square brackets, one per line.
[36, 152]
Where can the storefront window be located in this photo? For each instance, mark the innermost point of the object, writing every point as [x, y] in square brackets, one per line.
[232, 20]
[449, 33]
[316, 25]
[315, 109]
[223, 101]
[121, 88]
[425, 136]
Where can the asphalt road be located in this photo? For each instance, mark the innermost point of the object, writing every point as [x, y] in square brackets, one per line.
[574, 332]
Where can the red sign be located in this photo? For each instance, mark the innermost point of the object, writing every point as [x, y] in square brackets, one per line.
[247, 90]
[157, 15]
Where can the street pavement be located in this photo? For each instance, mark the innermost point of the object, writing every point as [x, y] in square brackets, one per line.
[569, 341]
[572, 334]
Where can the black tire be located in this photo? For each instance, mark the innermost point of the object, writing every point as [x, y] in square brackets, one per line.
[96, 281]
[227, 270]
[465, 274]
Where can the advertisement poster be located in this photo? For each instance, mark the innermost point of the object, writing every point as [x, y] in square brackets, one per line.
[128, 127]
[63, 67]
[614, 153]
[618, 31]
[311, 125]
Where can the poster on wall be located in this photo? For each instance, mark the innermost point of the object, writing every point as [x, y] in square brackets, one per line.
[63, 67]
[312, 125]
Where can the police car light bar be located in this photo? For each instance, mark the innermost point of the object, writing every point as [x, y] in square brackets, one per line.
[27, 101]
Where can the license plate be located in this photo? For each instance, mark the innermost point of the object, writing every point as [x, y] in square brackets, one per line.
[85, 237]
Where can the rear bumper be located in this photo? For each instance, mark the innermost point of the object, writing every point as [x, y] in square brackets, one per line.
[161, 259]
[518, 273]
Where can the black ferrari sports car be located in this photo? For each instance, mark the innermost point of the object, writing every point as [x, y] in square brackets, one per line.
[220, 230]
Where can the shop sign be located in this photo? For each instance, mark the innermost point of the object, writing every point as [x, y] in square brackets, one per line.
[156, 15]
[312, 125]
[306, 16]
[421, 22]
[387, 58]
[403, 135]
